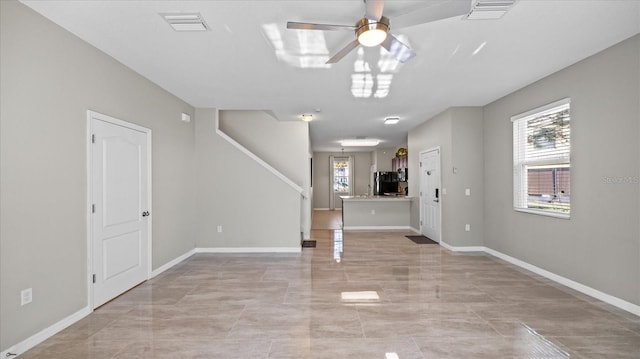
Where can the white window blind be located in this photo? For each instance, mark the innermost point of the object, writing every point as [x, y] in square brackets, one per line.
[541, 160]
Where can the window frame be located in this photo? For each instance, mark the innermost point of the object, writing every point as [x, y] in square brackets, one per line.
[347, 177]
[520, 174]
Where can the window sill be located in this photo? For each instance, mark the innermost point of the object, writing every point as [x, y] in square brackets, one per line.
[544, 213]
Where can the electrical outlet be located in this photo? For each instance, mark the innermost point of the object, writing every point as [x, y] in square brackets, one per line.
[26, 296]
[219, 229]
[467, 227]
[373, 211]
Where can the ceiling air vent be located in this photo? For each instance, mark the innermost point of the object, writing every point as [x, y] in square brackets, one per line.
[185, 21]
[489, 9]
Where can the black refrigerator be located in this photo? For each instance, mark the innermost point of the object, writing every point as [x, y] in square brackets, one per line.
[385, 182]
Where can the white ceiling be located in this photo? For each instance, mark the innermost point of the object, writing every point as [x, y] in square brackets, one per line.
[237, 65]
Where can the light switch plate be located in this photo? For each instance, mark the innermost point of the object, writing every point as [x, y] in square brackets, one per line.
[26, 296]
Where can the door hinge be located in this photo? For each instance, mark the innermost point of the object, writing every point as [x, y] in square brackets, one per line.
[420, 164]
[93, 208]
[420, 224]
[93, 138]
[93, 278]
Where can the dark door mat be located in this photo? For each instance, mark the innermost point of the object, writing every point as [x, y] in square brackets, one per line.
[421, 240]
[308, 244]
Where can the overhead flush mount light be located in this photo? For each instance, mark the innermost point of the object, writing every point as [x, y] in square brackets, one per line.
[359, 143]
[185, 21]
[371, 32]
[364, 296]
[306, 118]
[391, 120]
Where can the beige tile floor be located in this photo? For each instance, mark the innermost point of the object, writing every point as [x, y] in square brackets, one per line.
[432, 304]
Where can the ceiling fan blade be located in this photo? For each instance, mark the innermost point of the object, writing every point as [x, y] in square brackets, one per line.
[396, 48]
[342, 53]
[441, 10]
[309, 26]
[374, 9]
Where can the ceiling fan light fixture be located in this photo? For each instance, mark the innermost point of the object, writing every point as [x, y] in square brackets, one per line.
[372, 33]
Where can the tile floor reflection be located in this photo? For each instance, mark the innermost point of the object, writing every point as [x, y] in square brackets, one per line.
[431, 303]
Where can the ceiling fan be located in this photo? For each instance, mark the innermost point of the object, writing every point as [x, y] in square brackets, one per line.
[373, 28]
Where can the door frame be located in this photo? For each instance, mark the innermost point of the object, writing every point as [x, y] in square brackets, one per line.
[102, 117]
[420, 178]
[332, 195]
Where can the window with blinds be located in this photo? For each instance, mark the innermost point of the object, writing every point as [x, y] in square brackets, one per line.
[541, 160]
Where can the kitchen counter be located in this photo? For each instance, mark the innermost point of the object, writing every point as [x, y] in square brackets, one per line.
[376, 212]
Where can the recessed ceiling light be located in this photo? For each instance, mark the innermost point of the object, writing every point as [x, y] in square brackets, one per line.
[306, 118]
[391, 120]
[185, 21]
[359, 143]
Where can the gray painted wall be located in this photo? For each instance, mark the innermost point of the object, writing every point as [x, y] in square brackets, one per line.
[382, 158]
[48, 80]
[321, 188]
[282, 144]
[600, 245]
[458, 133]
[467, 158]
[432, 133]
[254, 207]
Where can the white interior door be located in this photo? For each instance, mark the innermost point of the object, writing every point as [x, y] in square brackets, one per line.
[119, 172]
[430, 194]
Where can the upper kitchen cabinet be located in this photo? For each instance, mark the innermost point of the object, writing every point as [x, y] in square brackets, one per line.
[399, 163]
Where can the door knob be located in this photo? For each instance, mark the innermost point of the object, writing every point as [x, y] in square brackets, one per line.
[145, 214]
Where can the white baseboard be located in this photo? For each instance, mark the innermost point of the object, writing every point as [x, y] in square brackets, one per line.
[607, 298]
[327, 209]
[250, 250]
[415, 230]
[463, 249]
[375, 228]
[170, 264]
[46, 333]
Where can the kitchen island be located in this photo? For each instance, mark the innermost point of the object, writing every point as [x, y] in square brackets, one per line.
[375, 212]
